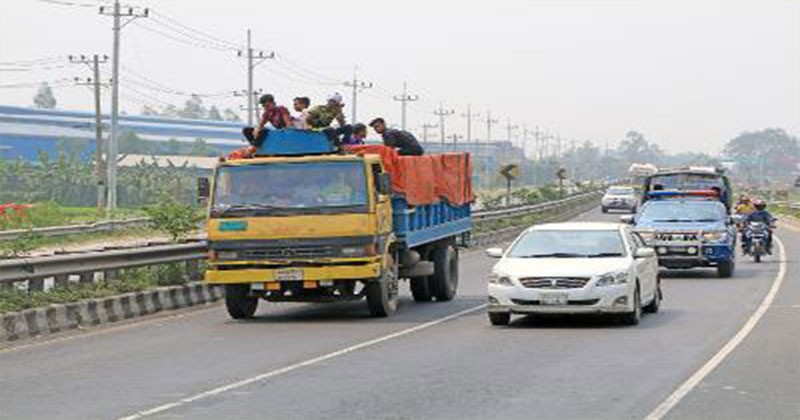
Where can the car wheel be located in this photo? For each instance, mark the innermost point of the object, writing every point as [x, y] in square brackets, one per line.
[604, 210]
[655, 304]
[238, 301]
[633, 317]
[725, 269]
[499, 318]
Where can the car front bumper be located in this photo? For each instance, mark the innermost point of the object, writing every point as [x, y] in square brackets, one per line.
[588, 300]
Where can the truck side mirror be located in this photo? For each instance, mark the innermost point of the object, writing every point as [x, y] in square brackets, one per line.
[203, 189]
[384, 184]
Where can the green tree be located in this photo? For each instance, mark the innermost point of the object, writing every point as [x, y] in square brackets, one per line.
[44, 97]
[214, 114]
[768, 153]
[230, 115]
[193, 108]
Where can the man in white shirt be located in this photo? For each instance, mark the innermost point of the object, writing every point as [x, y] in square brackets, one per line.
[300, 105]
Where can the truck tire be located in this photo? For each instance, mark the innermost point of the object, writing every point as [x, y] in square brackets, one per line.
[725, 269]
[420, 289]
[444, 281]
[382, 292]
[239, 302]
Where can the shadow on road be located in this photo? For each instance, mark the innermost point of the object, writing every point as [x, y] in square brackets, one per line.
[582, 321]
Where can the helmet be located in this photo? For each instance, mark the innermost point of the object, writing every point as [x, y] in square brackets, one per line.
[759, 204]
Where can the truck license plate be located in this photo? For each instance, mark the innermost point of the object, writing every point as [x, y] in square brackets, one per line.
[553, 299]
[289, 274]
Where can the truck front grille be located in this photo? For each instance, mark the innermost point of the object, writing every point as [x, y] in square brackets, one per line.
[288, 253]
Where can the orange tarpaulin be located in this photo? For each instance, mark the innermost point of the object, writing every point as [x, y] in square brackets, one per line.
[426, 179]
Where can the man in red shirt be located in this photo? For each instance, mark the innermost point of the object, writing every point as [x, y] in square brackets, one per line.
[276, 115]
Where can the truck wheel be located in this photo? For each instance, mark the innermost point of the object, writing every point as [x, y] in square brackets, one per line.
[499, 318]
[420, 289]
[382, 293]
[239, 302]
[725, 269]
[444, 282]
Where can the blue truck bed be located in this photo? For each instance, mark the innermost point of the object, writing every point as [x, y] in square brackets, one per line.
[420, 225]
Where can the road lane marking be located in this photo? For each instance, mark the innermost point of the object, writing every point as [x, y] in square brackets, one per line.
[686, 387]
[273, 373]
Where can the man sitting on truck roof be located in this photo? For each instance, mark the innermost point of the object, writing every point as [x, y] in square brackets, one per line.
[300, 105]
[321, 117]
[405, 142]
[275, 115]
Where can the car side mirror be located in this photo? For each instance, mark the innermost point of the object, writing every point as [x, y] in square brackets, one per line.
[384, 184]
[626, 219]
[644, 253]
[494, 252]
[203, 189]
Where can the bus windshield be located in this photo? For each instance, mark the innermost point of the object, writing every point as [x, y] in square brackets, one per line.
[290, 188]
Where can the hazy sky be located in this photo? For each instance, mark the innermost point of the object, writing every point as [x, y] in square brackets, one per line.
[688, 74]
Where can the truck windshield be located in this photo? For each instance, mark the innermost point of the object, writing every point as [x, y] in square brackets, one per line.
[683, 212]
[687, 182]
[290, 188]
[569, 244]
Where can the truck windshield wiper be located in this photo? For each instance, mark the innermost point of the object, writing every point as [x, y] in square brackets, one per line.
[604, 254]
[704, 220]
[672, 220]
[554, 255]
[245, 208]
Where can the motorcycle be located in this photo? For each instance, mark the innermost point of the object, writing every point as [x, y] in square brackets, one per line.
[757, 233]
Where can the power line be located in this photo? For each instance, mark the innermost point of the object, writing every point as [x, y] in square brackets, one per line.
[181, 40]
[52, 83]
[357, 85]
[220, 41]
[442, 113]
[69, 3]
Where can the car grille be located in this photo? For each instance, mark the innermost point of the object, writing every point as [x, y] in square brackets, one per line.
[288, 252]
[582, 302]
[676, 236]
[554, 282]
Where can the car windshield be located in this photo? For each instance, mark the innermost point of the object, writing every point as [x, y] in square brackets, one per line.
[568, 244]
[683, 212]
[620, 191]
[281, 188]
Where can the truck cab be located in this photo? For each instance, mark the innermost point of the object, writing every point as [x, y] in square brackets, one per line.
[305, 223]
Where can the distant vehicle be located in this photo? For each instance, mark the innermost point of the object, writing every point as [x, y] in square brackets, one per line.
[691, 182]
[620, 198]
[797, 182]
[574, 268]
[688, 234]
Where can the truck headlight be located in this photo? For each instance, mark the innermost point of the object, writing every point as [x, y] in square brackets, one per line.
[501, 279]
[358, 251]
[227, 255]
[715, 236]
[615, 277]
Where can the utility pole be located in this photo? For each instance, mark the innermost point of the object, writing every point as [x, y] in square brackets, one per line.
[99, 163]
[404, 99]
[254, 58]
[455, 138]
[468, 115]
[356, 85]
[425, 128]
[489, 121]
[113, 142]
[510, 129]
[442, 113]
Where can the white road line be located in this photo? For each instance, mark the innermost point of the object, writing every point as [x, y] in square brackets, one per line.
[686, 387]
[290, 368]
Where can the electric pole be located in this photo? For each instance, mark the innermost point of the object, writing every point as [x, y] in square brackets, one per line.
[404, 99]
[113, 142]
[99, 162]
[489, 121]
[356, 85]
[455, 138]
[442, 113]
[468, 115]
[510, 129]
[425, 128]
[537, 145]
[254, 58]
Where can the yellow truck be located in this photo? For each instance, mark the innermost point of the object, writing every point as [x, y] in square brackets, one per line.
[303, 222]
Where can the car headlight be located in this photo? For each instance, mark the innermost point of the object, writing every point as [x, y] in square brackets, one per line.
[615, 277]
[715, 236]
[501, 279]
[646, 235]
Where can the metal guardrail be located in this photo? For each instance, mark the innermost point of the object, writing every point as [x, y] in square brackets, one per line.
[35, 270]
[101, 226]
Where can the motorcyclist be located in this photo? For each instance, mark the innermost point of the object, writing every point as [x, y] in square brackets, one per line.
[760, 215]
[744, 206]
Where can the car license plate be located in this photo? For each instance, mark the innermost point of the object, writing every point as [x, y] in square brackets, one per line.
[553, 299]
[289, 274]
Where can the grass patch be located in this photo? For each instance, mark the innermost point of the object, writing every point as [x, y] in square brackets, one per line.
[51, 214]
[31, 241]
[131, 280]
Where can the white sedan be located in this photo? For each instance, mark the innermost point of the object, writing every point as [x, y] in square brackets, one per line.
[574, 268]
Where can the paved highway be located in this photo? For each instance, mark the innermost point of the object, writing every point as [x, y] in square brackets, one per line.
[435, 360]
